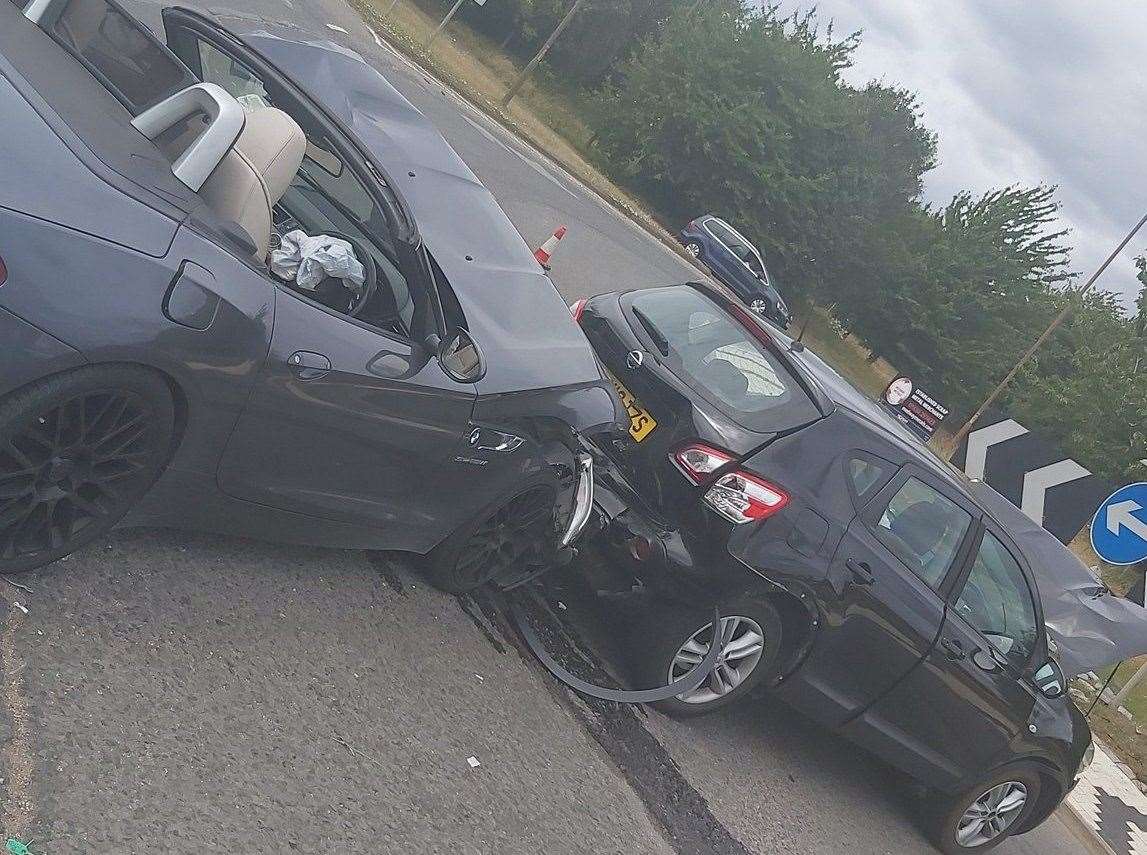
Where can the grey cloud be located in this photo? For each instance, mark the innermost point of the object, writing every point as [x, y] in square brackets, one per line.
[1023, 92]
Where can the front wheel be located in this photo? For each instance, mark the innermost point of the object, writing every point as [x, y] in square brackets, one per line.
[693, 248]
[984, 816]
[669, 645]
[77, 451]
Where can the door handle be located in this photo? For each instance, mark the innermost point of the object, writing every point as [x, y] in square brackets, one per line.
[954, 648]
[861, 572]
[308, 366]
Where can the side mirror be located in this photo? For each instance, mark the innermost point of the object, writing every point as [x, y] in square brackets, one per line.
[461, 358]
[1050, 680]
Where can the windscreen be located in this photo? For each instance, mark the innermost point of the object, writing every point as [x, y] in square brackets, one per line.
[124, 56]
[716, 355]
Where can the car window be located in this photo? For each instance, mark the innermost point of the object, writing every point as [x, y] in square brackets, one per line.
[924, 529]
[233, 76]
[325, 197]
[121, 53]
[717, 356]
[864, 474]
[997, 601]
[737, 245]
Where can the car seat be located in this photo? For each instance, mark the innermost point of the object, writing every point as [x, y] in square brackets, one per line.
[255, 173]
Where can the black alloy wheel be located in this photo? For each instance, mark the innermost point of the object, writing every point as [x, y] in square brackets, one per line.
[504, 545]
[76, 452]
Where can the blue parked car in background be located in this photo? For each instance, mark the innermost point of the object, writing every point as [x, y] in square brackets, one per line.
[737, 264]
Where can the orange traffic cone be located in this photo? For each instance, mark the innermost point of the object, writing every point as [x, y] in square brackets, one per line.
[546, 251]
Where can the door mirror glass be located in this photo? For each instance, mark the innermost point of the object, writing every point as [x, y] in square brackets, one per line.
[1050, 680]
[461, 358]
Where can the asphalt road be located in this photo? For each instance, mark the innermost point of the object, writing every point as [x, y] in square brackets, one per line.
[183, 693]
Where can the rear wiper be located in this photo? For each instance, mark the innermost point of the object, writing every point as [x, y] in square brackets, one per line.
[659, 339]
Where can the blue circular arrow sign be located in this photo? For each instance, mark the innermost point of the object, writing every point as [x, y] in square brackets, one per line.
[1119, 530]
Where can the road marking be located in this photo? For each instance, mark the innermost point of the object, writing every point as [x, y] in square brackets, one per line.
[522, 157]
[377, 40]
[1038, 481]
[19, 806]
[337, 29]
[979, 441]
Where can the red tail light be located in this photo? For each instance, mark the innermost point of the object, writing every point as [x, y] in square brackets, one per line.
[738, 496]
[577, 308]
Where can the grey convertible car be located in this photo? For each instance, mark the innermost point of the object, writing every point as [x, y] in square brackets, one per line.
[154, 370]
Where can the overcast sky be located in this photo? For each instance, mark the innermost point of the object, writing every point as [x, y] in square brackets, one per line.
[1024, 91]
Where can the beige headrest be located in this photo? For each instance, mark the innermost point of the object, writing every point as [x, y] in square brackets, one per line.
[255, 174]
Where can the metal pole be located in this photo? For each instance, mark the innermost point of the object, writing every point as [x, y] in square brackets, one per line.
[1122, 694]
[521, 78]
[445, 21]
[1039, 342]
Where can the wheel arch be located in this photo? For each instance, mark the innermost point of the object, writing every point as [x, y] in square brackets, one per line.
[178, 394]
[1051, 793]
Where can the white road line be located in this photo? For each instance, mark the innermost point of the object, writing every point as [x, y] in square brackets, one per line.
[377, 40]
[338, 29]
[538, 169]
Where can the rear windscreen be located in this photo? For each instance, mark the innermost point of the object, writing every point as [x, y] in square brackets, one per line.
[125, 57]
[716, 356]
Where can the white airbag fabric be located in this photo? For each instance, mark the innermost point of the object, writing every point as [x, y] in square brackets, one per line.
[309, 260]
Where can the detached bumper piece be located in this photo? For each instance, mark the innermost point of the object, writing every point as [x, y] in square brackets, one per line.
[583, 500]
[687, 683]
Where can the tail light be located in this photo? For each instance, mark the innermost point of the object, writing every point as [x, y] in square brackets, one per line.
[577, 308]
[738, 496]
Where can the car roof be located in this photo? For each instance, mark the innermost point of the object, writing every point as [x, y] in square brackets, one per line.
[731, 228]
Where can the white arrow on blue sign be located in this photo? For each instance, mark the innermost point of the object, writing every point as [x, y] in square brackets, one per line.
[1119, 530]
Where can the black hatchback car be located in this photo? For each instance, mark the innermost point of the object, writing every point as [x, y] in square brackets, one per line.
[737, 264]
[153, 365]
[859, 578]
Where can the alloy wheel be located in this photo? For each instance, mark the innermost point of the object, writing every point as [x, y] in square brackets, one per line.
[740, 654]
[992, 814]
[73, 465]
[693, 249]
[509, 542]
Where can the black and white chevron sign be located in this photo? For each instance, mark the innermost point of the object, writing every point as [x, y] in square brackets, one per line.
[1031, 473]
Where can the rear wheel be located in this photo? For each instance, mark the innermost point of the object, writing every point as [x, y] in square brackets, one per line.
[505, 544]
[984, 816]
[77, 451]
[670, 644]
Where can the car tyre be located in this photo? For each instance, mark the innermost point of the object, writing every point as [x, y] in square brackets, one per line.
[952, 823]
[501, 544]
[693, 248]
[77, 452]
[668, 642]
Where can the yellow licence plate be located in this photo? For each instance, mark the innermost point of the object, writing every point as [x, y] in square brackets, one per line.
[641, 424]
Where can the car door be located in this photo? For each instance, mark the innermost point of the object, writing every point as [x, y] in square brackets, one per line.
[894, 558]
[963, 710]
[348, 420]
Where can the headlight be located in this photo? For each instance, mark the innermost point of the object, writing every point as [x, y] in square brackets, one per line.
[1088, 756]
